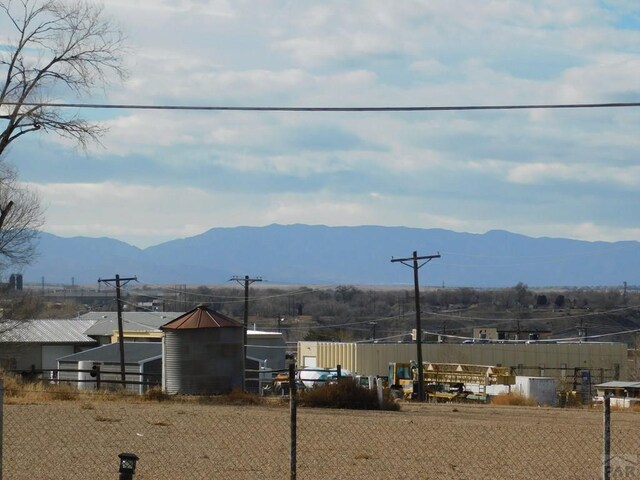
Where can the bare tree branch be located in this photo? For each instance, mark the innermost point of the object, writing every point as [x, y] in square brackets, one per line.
[20, 218]
[55, 45]
[75, 46]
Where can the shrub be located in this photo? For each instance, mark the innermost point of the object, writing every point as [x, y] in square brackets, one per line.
[13, 386]
[155, 394]
[513, 399]
[346, 393]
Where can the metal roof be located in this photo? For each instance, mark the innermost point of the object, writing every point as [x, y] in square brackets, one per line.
[201, 317]
[134, 352]
[619, 384]
[46, 331]
[105, 323]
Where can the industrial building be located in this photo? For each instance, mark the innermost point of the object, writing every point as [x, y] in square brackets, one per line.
[569, 363]
[37, 344]
[143, 364]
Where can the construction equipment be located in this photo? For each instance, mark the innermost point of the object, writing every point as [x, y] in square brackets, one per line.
[448, 381]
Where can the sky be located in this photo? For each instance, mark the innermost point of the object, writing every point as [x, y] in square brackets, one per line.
[162, 175]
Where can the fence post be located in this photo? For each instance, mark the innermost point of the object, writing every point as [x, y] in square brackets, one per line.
[1, 422]
[606, 451]
[293, 392]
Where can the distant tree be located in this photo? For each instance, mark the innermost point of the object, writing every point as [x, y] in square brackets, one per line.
[541, 300]
[559, 301]
[522, 294]
[329, 335]
[346, 293]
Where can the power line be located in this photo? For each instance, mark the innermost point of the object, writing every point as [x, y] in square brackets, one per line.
[555, 317]
[446, 108]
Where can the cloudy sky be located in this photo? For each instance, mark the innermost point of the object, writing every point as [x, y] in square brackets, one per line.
[160, 175]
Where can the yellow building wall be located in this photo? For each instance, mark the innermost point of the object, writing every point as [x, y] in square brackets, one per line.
[137, 336]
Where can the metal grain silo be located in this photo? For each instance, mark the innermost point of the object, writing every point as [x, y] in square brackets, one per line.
[203, 353]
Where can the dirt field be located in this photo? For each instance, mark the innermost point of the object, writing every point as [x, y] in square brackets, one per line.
[81, 439]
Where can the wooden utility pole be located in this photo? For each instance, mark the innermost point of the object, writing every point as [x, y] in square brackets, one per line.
[120, 329]
[416, 286]
[246, 281]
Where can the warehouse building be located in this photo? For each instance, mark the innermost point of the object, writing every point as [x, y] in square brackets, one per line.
[570, 363]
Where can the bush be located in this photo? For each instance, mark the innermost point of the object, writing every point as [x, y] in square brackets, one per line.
[516, 399]
[155, 394]
[13, 386]
[346, 394]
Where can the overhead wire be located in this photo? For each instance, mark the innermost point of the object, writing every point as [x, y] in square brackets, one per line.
[544, 106]
[213, 298]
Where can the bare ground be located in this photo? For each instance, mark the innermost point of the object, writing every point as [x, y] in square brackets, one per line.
[81, 439]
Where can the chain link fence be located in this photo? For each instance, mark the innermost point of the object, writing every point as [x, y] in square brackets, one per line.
[81, 436]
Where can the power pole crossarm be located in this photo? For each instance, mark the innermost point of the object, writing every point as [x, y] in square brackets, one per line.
[416, 266]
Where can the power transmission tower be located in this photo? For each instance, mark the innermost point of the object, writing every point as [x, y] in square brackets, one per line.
[120, 329]
[416, 285]
[246, 281]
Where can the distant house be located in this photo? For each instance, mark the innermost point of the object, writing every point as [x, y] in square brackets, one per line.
[143, 363]
[136, 326]
[623, 394]
[37, 344]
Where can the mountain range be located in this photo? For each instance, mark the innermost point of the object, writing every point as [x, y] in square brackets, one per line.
[322, 255]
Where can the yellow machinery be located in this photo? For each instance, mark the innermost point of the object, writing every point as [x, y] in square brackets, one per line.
[448, 381]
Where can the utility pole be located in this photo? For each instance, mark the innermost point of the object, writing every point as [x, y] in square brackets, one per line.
[120, 329]
[373, 325]
[246, 281]
[416, 285]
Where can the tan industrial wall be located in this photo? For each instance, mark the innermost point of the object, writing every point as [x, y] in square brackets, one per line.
[605, 360]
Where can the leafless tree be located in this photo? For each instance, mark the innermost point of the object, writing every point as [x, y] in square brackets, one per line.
[57, 45]
[21, 216]
[54, 47]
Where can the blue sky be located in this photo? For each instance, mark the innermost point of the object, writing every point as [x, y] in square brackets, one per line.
[164, 175]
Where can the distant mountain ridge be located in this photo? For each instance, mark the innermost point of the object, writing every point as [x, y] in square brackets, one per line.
[317, 254]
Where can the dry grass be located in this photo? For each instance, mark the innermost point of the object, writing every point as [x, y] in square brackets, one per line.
[235, 397]
[18, 391]
[513, 399]
[347, 394]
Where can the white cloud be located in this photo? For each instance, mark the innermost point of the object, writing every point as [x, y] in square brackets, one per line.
[171, 7]
[587, 231]
[362, 53]
[535, 173]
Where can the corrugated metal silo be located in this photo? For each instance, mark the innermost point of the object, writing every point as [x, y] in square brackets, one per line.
[203, 353]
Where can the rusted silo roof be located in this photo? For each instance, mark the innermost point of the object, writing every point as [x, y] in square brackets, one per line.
[201, 317]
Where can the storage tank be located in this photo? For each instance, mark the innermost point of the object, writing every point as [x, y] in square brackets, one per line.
[202, 353]
[85, 380]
